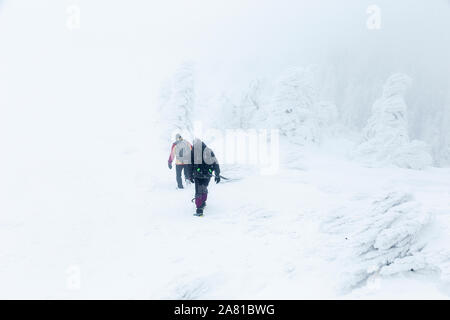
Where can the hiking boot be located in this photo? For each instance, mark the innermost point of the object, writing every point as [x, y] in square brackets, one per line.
[199, 212]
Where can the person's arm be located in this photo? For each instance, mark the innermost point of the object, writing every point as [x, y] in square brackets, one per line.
[216, 169]
[171, 156]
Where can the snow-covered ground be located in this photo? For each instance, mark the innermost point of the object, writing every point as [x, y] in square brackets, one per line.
[122, 230]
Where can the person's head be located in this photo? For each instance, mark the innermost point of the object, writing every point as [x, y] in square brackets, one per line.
[178, 137]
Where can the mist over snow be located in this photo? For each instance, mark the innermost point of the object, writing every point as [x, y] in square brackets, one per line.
[92, 91]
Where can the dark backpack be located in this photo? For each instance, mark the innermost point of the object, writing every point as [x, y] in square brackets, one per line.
[203, 170]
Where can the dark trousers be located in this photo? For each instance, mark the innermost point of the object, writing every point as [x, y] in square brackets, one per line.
[179, 168]
[201, 191]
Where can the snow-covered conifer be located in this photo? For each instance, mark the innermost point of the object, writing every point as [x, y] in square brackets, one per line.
[385, 137]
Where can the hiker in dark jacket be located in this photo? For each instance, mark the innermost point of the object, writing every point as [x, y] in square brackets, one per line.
[203, 165]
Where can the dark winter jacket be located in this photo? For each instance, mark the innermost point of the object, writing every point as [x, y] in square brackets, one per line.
[204, 162]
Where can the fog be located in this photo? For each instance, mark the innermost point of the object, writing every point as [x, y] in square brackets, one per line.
[117, 59]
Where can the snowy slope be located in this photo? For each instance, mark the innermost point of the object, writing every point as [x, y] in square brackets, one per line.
[133, 234]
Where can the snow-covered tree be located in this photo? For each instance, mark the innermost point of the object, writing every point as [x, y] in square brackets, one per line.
[243, 110]
[293, 106]
[251, 104]
[385, 137]
[297, 108]
[177, 99]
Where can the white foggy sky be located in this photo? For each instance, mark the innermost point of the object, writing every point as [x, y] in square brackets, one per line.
[62, 90]
[231, 41]
[216, 32]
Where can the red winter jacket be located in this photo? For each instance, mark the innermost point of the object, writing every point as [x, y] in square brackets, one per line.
[177, 151]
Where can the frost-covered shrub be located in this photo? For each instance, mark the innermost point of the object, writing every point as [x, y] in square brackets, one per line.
[381, 238]
[385, 138]
[411, 155]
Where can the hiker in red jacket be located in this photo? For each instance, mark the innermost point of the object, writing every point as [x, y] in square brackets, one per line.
[181, 151]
